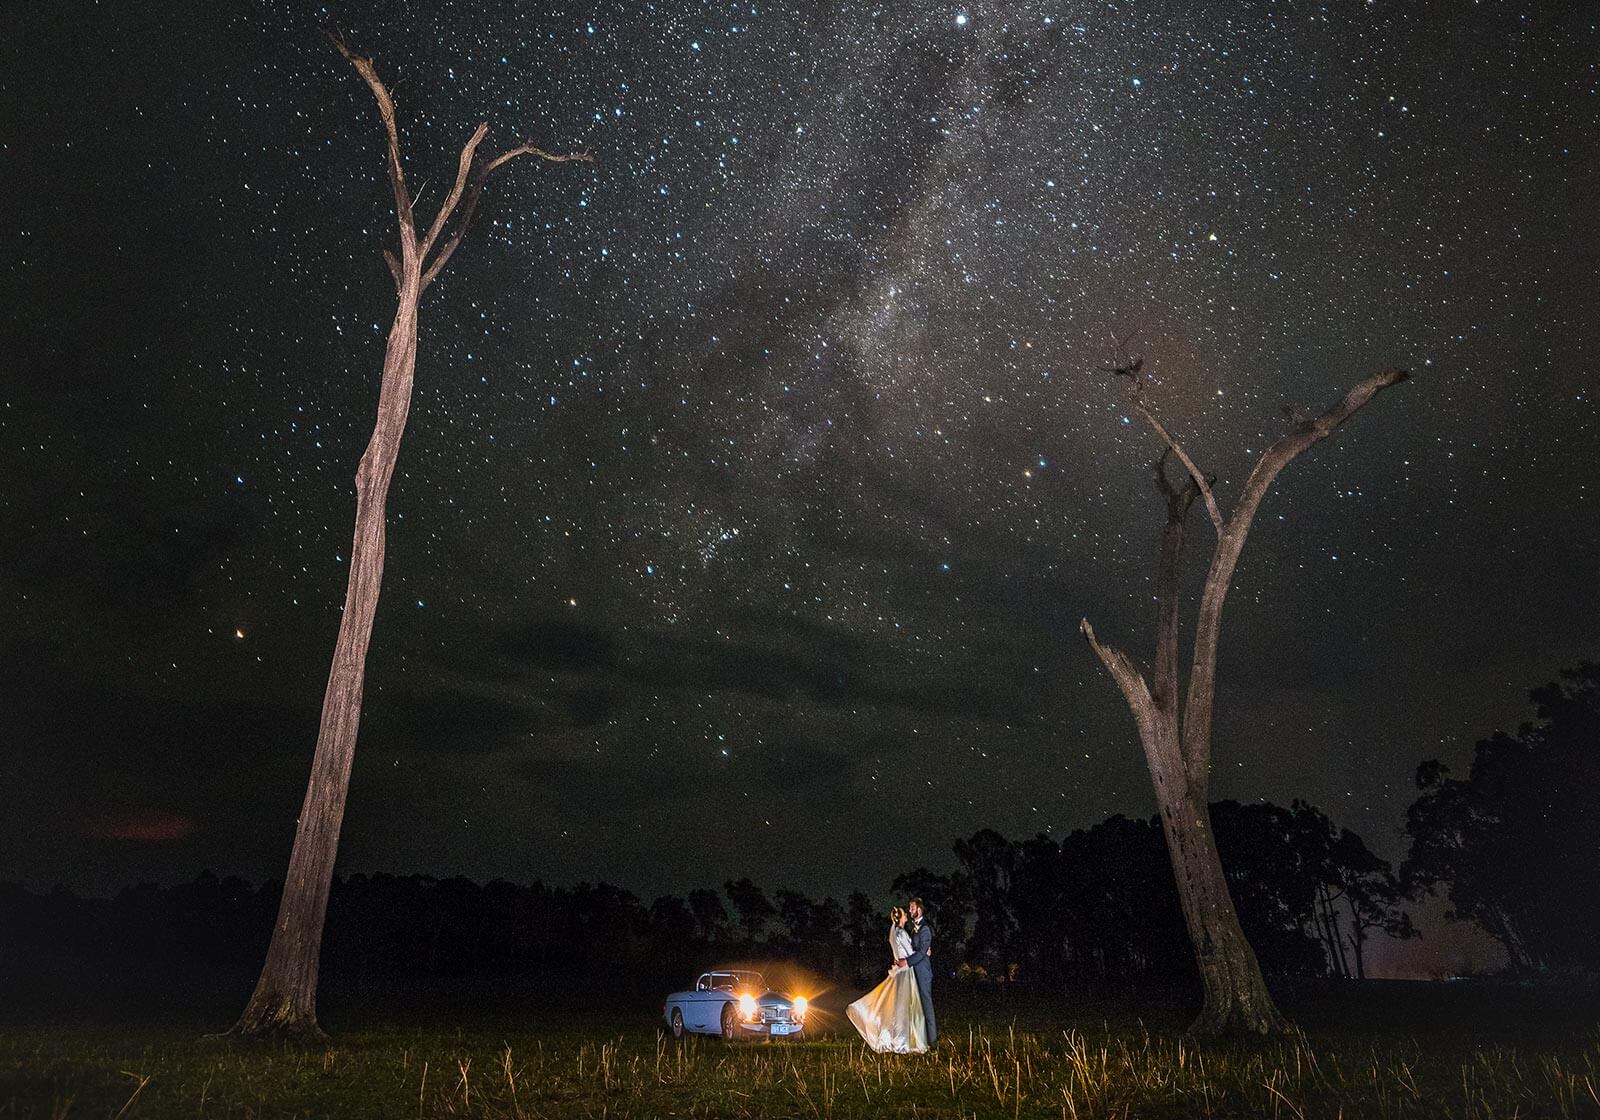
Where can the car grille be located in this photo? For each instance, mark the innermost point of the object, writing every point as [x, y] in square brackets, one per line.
[777, 1015]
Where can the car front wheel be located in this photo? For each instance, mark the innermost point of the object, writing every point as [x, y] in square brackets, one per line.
[730, 1024]
[677, 1023]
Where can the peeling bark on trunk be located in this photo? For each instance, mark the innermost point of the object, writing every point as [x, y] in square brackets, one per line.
[1179, 755]
[284, 1003]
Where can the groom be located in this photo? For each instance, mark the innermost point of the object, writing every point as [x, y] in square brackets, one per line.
[921, 964]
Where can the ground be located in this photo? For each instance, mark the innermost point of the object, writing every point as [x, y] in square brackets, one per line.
[1370, 1051]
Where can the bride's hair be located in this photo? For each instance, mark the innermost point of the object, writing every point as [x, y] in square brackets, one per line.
[896, 916]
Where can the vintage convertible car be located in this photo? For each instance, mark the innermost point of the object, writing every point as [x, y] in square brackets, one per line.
[734, 1004]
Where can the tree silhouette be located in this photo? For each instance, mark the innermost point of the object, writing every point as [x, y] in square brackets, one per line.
[1122, 915]
[988, 862]
[1516, 844]
[827, 922]
[947, 900]
[1271, 875]
[797, 913]
[1178, 752]
[1041, 880]
[710, 916]
[285, 998]
[1097, 911]
[1356, 891]
[671, 921]
[750, 902]
[864, 930]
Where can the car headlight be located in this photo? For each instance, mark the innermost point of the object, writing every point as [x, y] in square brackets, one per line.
[747, 1006]
[800, 1005]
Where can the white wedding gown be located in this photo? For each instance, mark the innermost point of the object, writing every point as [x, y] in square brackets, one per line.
[890, 1016]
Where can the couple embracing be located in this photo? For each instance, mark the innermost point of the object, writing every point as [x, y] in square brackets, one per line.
[896, 1017]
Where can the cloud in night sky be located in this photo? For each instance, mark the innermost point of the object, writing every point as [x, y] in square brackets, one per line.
[143, 828]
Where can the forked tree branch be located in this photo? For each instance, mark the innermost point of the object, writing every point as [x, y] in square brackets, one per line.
[1201, 482]
[1174, 496]
[1131, 368]
[470, 175]
[475, 189]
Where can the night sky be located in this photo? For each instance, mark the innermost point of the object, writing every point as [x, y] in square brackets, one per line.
[759, 473]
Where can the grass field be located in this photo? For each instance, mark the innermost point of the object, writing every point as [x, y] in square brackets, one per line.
[1043, 1062]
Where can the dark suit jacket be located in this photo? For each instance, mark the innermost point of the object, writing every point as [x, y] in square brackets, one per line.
[921, 942]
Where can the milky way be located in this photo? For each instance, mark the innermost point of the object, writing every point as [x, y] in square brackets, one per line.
[759, 473]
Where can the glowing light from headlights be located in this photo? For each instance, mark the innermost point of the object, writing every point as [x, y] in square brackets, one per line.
[747, 1006]
[800, 1005]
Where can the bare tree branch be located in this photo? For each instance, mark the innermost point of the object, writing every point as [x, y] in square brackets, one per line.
[397, 174]
[463, 168]
[1166, 488]
[1303, 435]
[1200, 481]
[1203, 668]
[475, 189]
[1191, 488]
[1132, 368]
[470, 176]
[394, 267]
[1164, 680]
[530, 150]
[1127, 675]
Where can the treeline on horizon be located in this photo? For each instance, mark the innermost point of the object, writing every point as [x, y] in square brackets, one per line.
[1097, 909]
[1514, 846]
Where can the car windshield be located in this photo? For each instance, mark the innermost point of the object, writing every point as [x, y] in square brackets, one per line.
[732, 982]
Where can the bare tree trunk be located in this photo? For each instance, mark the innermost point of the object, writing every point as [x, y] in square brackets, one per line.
[1236, 996]
[1501, 930]
[1358, 942]
[285, 998]
[1330, 916]
[1320, 925]
[1179, 755]
[284, 1002]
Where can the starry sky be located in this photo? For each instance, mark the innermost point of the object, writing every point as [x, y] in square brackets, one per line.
[759, 473]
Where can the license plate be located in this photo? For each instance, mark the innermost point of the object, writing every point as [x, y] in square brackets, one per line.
[782, 1028]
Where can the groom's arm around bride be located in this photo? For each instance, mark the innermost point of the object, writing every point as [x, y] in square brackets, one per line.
[921, 944]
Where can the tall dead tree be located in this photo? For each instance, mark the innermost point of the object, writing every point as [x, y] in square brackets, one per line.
[1179, 753]
[285, 999]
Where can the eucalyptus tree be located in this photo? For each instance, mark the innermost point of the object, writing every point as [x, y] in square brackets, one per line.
[285, 998]
[1175, 724]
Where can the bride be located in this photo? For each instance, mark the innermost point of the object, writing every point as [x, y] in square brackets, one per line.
[890, 1016]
